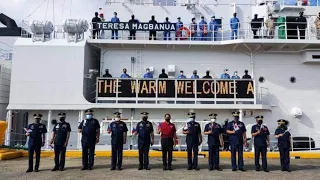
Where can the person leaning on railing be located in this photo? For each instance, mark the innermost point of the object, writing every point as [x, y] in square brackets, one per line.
[255, 26]
[166, 34]
[179, 25]
[270, 26]
[302, 25]
[317, 24]
[234, 25]
[95, 20]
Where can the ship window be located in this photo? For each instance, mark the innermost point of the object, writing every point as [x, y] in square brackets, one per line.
[292, 79]
[261, 79]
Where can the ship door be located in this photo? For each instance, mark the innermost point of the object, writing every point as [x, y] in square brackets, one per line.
[292, 27]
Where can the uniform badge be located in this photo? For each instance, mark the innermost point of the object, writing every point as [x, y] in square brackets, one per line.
[40, 126]
[121, 125]
[32, 127]
[148, 125]
[196, 125]
[64, 126]
[140, 124]
[93, 122]
[114, 125]
[57, 126]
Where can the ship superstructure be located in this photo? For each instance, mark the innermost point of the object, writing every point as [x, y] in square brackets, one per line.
[60, 67]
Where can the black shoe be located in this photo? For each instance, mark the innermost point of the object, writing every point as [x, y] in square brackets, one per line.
[288, 170]
[55, 169]
[29, 170]
[282, 169]
[210, 168]
[36, 170]
[266, 170]
[219, 169]
[170, 168]
[234, 169]
[120, 169]
[90, 168]
[189, 168]
[140, 168]
[258, 169]
[84, 168]
[113, 168]
[241, 169]
[165, 168]
[61, 169]
[196, 168]
[147, 168]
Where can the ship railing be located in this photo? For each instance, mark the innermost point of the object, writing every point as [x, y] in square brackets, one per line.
[172, 2]
[175, 91]
[219, 32]
[207, 2]
[300, 142]
[298, 3]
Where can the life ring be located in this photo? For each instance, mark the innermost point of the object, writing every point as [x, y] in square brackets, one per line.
[181, 35]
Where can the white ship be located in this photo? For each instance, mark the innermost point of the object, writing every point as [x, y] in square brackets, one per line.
[59, 68]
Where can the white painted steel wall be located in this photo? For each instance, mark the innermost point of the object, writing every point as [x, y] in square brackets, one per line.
[48, 75]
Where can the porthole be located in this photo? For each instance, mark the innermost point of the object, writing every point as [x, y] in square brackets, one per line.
[292, 79]
[261, 79]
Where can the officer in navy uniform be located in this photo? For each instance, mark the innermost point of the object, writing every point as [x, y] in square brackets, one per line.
[60, 138]
[118, 130]
[261, 133]
[284, 144]
[36, 132]
[237, 138]
[145, 139]
[90, 129]
[215, 139]
[194, 138]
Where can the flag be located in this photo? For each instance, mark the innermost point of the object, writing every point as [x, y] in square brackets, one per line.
[133, 130]
[235, 127]
[185, 127]
[27, 130]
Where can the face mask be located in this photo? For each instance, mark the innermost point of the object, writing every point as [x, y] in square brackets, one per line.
[62, 118]
[37, 120]
[181, 74]
[144, 118]
[236, 118]
[167, 118]
[117, 119]
[282, 126]
[260, 122]
[191, 119]
[148, 71]
[89, 116]
[213, 120]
